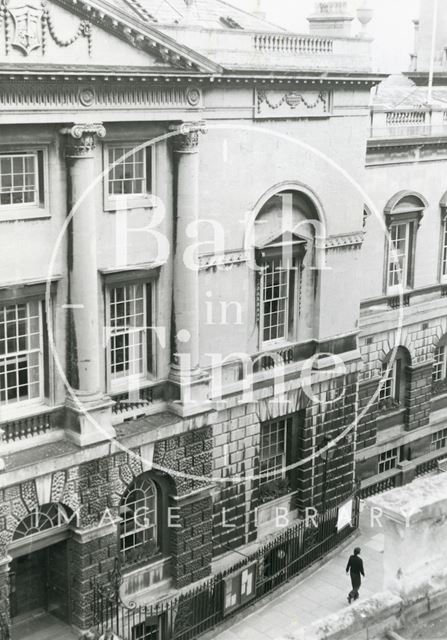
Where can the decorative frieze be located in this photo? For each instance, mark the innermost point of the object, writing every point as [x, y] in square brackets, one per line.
[223, 261]
[23, 96]
[292, 104]
[84, 30]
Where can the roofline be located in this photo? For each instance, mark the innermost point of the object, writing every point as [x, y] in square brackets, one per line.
[420, 78]
[268, 77]
[252, 15]
[126, 20]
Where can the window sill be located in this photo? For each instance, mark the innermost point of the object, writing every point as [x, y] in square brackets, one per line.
[391, 417]
[130, 567]
[24, 411]
[11, 214]
[127, 203]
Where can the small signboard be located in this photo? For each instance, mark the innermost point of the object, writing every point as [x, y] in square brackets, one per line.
[239, 588]
[344, 515]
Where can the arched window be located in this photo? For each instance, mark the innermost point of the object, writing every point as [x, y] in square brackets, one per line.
[284, 237]
[439, 375]
[139, 520]
[403, 215]
[395, 379]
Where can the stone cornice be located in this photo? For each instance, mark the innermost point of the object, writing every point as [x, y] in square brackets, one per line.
[342, 241]
[223, 261]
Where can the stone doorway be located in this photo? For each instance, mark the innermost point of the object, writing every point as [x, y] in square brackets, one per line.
[39, 584]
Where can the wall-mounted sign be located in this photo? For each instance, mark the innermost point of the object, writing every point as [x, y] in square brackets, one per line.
[239, 588]
[344, 515]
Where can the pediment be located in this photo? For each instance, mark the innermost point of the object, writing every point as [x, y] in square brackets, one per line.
[73, 34]
[284, 243]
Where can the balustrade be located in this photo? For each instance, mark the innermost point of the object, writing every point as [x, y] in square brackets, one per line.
[25, 428]
[133, 404]
[279, 43]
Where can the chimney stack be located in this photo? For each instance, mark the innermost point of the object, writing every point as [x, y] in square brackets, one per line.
[331, 18]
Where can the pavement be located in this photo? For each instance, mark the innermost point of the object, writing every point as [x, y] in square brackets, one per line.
[43, 627]
[318, 595]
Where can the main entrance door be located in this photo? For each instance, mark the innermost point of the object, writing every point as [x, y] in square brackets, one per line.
[39, 583]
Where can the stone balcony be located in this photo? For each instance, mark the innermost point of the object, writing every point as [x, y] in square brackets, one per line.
[241, 50]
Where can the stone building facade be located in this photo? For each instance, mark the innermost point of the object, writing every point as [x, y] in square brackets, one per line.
[174, 357]
[403, 329]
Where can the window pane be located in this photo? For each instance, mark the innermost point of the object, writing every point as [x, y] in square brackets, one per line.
[444, 250]
[138, 513]
[398, 260]
[128, 176]
[272, 450]
[128, 322]
[20, 353]
[18, 179]
[275, 297]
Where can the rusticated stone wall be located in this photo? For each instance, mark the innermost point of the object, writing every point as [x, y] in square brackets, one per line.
[93, 491]
[236, 454]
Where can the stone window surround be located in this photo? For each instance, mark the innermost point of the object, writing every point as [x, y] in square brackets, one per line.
[148, 276]
[21, 363]
[41, 208]
[143, 507]
[163, 501]
[388, 460]
[399, 376]
[440, 360]
[439, 440]
[129, 201]
[273, 449]
[23, 292]
[411, 216]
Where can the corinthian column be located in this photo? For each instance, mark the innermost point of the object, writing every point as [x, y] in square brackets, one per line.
[84, 343]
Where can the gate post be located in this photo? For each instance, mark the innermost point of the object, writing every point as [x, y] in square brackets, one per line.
[92, 558]
[4, 598]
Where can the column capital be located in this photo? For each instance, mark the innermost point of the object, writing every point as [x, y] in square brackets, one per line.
[81, 139]
[187, 136]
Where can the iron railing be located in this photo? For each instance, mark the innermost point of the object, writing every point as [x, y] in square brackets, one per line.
[4, 628]
[202, 608]
[378, 487]
[429, 466]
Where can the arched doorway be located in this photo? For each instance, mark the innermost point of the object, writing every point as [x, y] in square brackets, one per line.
[39, 568]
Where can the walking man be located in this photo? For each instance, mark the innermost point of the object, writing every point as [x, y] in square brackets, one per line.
[355, 566]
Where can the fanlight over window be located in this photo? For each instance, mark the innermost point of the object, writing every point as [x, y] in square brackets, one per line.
[139, 520]
[44, 518]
